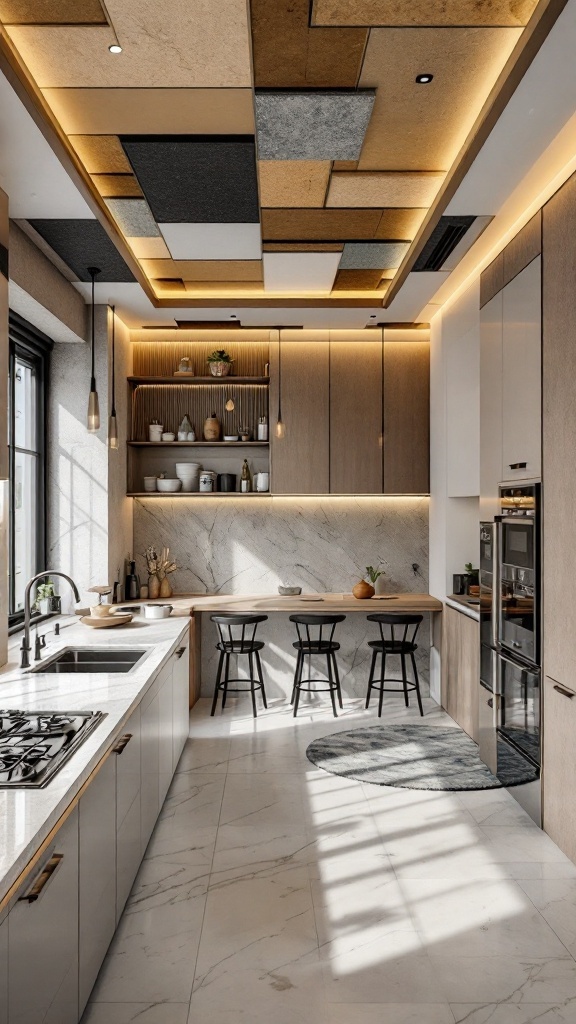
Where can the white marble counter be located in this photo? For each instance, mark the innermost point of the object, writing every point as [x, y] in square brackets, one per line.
[27, 816]
[460, 605]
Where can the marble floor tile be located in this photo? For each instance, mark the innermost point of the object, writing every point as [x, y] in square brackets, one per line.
[555, 899]
[257, 801]
[206, 755]
[256, 853]
[389, 1013]
[505, 1013]
[175, 868]
[135, 1013]
[197, 800]
[291, 994]
[494, 979]
[370, 975]
[479, 918]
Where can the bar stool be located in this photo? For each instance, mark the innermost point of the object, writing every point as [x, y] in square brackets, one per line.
[316, 636]
[235, 638]
[401, 641]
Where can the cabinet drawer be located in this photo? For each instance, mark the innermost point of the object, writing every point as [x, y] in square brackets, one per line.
[43, 938]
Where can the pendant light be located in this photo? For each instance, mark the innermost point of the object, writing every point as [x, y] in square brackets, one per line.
[112, 423]
[93, 404]
[280, 429]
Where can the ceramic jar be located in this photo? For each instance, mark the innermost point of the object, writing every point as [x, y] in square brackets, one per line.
[220, 369]
[155, 431]
[212, 428]
[363, 590]
[153, 587]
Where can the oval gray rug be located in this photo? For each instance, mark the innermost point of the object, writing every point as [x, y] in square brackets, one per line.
[415, 757]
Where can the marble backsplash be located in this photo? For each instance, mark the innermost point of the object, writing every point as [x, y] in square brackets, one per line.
[252, 544]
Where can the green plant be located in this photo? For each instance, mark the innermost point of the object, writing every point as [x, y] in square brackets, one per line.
[469, 567]
[43, 592]
[220, 356]
[373, 574]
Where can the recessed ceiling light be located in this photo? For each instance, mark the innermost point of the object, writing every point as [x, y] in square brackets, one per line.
[424, 79]
[115, 48]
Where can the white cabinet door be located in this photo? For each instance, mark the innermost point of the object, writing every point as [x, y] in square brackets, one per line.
[43, 938]
[490, 406]
[150, 769]
[165, 730]
[97, 875]
[128, 819]
[522, 375]
[181, 701]
[4, 972]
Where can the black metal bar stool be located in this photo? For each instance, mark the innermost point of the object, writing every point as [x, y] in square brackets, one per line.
[401, 641]
[316, 636]
[235, 638]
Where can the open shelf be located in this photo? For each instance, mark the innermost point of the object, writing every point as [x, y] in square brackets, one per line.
[225, 381]
[199, 494]
[198, 444]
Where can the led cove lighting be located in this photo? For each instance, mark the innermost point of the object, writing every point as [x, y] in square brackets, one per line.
[424, 79]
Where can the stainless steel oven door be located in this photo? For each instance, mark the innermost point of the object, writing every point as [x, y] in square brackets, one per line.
[518, 543]
[518, 707]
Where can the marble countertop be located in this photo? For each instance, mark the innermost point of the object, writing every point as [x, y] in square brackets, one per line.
[463, 603]
[27, 816]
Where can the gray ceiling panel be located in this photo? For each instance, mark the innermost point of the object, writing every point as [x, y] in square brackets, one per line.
[82, 244]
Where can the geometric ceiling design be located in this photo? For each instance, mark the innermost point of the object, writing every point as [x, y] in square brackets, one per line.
[281, 148]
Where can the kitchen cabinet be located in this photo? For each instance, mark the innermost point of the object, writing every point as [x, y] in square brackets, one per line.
[300, 460]
[97, 875]
[461, 668]
[521, 375]
[43, 937]
[180, 702]
[165, 730]
[356, 428]
[406, 444]
[490, 406]
[559, 765]
[128, 819]
[4, 971]
[150, 767]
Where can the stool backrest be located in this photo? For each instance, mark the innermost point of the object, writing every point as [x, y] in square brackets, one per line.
[237, 628]
[316, 629]
[403, 628]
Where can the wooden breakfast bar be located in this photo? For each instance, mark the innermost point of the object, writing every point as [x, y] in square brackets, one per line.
[279, 639]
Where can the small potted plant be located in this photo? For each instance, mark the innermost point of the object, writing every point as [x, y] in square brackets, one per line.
[220, 363]
[363, 589]
[472, 578]
[47, 601]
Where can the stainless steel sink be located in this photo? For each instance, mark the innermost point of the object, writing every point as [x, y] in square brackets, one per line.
[92, 659]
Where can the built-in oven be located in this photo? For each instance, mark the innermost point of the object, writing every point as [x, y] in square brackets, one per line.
[517, 702]
[518, 543]
[487, 604]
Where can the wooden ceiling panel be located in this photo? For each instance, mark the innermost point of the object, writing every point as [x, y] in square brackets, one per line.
[289, 54]
[502, 13]
[205, 270]
[109, 112]
[324, 225]
[148, 248]
[193, 43]
[52, 12]
[232, 287]
[294, 183]
[302, 246]
[384, 188]
[115, 186]
[396, 224]
[354, 280]
[422, 127]
[101, 154]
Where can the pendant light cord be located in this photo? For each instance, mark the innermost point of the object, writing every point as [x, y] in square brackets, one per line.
[93, 271]
[113, 308]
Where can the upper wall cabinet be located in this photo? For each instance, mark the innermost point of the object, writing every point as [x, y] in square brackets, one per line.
[355, 415]
[490, 406]
[461, 344]
[301, 459]
[522, 374]
[406, 417]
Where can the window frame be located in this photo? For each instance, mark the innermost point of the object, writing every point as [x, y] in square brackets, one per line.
[29, 343]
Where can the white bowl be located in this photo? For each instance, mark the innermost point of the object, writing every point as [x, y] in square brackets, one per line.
[168, 486]
[188, 467]
[149, 483]
[157, 611]
[230, 437]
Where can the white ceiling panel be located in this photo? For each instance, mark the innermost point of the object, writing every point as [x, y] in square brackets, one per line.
[414, 295]
[213, 241]
[300, 272]
[36, 183]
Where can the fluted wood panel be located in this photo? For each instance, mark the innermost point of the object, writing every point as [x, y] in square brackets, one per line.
[169, 403]
[356, 416]
[161, 358]
[406, 417]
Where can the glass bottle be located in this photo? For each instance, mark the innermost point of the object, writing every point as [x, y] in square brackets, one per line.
[262, 429]
[245, 478]
[132, 588]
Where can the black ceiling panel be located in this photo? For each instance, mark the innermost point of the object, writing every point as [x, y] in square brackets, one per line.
[446, 235]
[82, 244]
[196, 179]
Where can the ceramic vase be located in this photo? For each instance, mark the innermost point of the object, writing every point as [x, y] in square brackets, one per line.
[220, 369]
[212, 428]
[165, 588]
[153, 587]
[363, 590]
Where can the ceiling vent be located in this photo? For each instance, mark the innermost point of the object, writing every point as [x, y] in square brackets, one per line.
[447, 234]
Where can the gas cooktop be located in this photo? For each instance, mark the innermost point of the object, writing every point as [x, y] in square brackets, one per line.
[35, 744]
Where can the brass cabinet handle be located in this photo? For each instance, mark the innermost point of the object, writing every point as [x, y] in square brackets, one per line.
[179, 652]
[565, 693]
[122, 743]
[43, 878]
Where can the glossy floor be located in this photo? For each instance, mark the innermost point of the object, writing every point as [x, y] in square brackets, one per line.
[274, 893]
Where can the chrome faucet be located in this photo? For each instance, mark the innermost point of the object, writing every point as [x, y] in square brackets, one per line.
[26, 648]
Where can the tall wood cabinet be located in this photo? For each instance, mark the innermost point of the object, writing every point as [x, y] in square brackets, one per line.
[355, 415]
[559, 519]
[461, 668]
[406, 441]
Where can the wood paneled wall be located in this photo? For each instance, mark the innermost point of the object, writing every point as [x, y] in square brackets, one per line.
[356, 416]
[406, 417]
[523, 248]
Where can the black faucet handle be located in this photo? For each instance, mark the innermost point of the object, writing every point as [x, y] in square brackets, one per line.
[37, 648]
[25, 650]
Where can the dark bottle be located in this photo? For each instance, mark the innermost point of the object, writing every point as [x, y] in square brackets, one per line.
[132, 587]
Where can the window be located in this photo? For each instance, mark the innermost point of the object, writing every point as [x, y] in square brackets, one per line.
[28, 375]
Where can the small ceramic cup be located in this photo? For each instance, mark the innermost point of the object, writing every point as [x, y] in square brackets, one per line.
[168, 436]
[149, 483]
